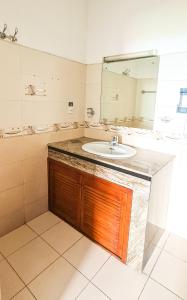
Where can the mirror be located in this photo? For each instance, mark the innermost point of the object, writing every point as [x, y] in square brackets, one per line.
[128, 93]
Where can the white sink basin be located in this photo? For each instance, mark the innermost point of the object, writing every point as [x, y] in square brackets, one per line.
[105, 149]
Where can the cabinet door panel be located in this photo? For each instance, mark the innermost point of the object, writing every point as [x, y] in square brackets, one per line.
[105, 214]
[65, 193]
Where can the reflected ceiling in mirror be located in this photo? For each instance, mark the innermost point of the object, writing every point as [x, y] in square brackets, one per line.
[128, 94]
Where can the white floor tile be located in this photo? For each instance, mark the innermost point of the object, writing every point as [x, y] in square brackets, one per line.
[16, 239]
[87, 257]
[177, 246]
[31, 259]
[60, 281]
[61, 236]
[10, 283]
[44, 222]
[172, 273]
[152, 260]
[92, 293]
[24, 295]
[119, 281]
[154, 291]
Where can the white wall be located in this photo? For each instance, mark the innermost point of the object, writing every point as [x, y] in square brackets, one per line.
[124, 26]
[58, 26]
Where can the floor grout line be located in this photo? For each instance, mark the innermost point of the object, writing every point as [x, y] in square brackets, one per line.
[90, 281]
[18, 293]
[6, 258]
[16, 273]
[177, 257]
[96, 275]
[167, 288]
[75, 268]
[100, 290]
[162, 250]
[149, 275]
[39, 234]
[100, 268]
[22, 246]
[72, 245]
[59, 256]
[27, 284]
[82, 290]
[31, 292]
[143, 288]
[50, 245]
[25, 287]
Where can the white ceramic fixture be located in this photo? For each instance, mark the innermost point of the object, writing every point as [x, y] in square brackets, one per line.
[106, 149]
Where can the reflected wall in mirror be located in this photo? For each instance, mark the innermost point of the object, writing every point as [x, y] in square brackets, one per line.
[128, 94]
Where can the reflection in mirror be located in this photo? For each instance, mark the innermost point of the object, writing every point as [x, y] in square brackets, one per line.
[129, 92]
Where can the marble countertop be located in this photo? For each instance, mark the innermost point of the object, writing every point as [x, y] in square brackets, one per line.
[144, 164]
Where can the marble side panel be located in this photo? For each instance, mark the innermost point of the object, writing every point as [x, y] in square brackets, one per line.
[141, 191]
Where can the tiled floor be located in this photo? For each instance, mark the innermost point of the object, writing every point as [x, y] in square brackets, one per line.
[47, 259]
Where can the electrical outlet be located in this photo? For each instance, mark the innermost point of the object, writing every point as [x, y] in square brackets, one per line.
[70, 107]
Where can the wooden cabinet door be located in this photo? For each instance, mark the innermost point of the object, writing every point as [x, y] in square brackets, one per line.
[64, 191]
[105, 214]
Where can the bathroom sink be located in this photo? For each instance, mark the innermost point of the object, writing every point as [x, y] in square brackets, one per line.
[105, 149]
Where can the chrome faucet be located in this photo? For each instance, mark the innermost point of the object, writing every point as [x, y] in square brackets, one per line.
[114, 141]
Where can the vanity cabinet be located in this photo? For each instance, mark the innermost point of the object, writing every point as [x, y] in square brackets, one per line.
[98, 208]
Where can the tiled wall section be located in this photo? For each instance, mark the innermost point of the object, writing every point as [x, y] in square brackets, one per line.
[64, 81]
[23, 176]
[23, 164]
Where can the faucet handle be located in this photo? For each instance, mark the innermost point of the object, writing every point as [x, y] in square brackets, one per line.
[115, 138]
[114, 141]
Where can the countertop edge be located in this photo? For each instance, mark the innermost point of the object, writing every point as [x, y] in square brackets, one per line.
[103, 164]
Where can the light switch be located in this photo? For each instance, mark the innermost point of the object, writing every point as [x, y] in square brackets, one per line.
[70, 107]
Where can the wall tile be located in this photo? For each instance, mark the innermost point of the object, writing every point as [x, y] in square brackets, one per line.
[11, 150]
[11, 209]
[36, 208]
[10, 114]
[35, 189]
[93, 73]
[34, 168]
[35, 145]
[10, 77]
[23, 160]
[66, 134]
[35, 62]
[11, 175]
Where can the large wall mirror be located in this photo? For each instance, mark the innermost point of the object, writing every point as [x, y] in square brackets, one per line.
[129, 89]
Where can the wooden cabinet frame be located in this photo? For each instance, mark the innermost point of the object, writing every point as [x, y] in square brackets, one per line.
[96, 207]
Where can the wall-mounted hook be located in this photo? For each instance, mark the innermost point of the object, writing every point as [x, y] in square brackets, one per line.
[13, 38]
[3, 34]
